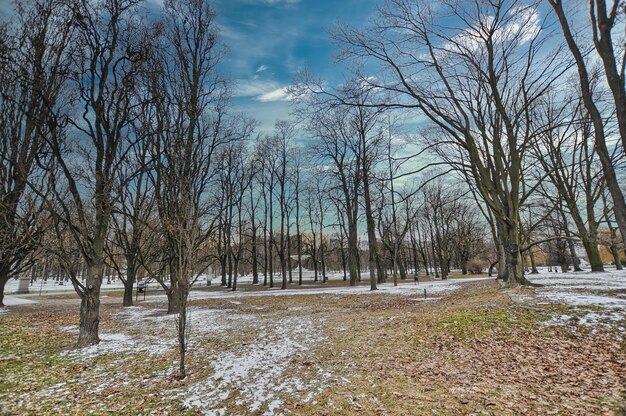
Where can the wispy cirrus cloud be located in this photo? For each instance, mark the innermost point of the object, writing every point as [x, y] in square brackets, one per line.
[261, 90]
[279, 94]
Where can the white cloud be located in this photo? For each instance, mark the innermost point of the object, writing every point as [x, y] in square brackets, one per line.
[254, 87]
[279, 94]
[523, 24]
[261, 90]
[262, 68]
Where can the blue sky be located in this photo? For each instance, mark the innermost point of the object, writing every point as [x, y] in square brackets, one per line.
[270, 40]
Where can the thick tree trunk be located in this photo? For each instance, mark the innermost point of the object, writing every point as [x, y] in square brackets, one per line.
[173, 298]
[533, 263]
[223, 269]
[513, 265]
[614, 252]
[595, 259]
[229, 284]
[90, 307]
[128, 285]
[128, 293]
[401, 268]
[503, 243]
[4, 278]
[574, 256]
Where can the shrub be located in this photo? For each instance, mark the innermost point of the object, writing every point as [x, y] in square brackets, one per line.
[476, 266]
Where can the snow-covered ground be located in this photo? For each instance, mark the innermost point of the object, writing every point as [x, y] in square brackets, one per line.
[275, 362]
[596, 298]
[14, 300]
[437, 287]
[52, 286]
[256, 375]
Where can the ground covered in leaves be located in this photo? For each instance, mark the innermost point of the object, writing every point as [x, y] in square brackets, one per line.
[468, 349]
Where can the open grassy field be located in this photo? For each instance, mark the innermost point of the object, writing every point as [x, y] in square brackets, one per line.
[468, 349]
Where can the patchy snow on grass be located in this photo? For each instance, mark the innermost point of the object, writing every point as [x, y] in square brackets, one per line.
[53, 286]
[70, 329]
[14, 301]
[598, 299]
[109, 344]
[255, 376]
[437, 287]
[153, 342]
[606, 289]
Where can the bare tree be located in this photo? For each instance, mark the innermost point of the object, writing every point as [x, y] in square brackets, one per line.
[133, 218]
[477, 85]
[34, 64]
[190, 125]
[604, 20]
[90, 154]
[566, 153]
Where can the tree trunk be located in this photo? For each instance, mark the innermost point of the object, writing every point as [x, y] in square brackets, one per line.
[533, 264]
[595, 259]
[183, 293]
[323, 260]
[172, 298]
[128, 285]
[90, 307]
[289, 262]
[614, 252]
[128, 293]
[371, 237]
[353, 253]
[401, 268]
[4, 278]
[574, 256]
[515, 272]
[255, 261]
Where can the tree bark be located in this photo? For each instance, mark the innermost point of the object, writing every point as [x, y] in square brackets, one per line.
[4, 278]
[128, 288]
[371, 225]
[533, 264]
[173, 297]
[90, 306]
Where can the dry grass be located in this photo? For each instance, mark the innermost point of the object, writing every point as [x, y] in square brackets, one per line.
[474, 352]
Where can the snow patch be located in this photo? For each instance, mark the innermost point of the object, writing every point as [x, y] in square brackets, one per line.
[14, 301]
[604, 292]
[254, 375]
